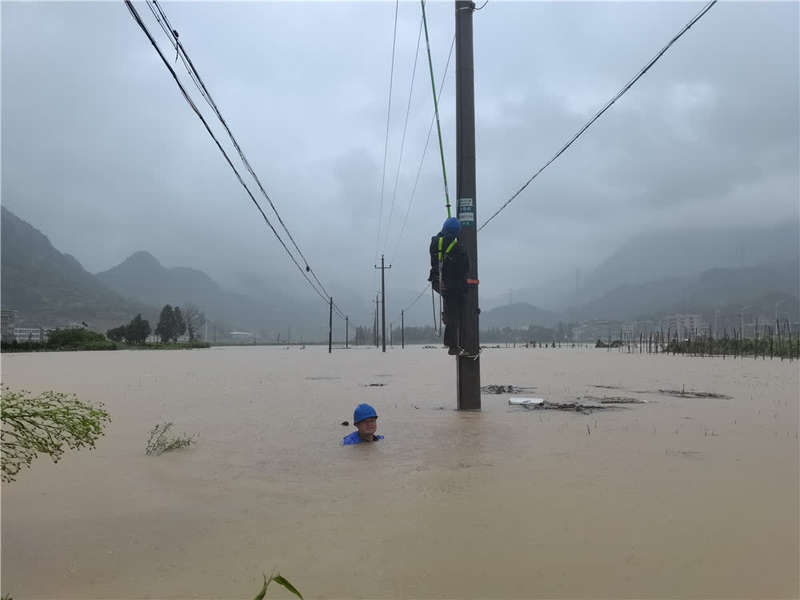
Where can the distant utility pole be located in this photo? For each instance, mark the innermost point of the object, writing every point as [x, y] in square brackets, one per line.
[346, 332]
[469, 367]
[391, 334]
[330, 327]
[375, 322]
[383, 302]
[402, 329]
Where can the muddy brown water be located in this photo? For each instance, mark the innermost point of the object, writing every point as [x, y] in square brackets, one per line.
[679, 497]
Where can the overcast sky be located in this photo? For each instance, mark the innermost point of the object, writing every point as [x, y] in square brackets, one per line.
[101, 152]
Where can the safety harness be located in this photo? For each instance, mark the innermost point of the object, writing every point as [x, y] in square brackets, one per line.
[442, 256]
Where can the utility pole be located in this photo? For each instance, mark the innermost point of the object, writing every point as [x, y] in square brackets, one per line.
[469, 367]
[375, 323]
[330, 327]
[402, 329]
[383, 302]
[346, 332]
[391, 334]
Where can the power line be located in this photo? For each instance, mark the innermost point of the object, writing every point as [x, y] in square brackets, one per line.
[172, 35]
[386, 143]
[405, 128]
[436, 107]
[415, 300]
[138, 19]
[424, 150]
[602, 110]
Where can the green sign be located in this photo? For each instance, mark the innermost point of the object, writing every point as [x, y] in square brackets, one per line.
[466, 211]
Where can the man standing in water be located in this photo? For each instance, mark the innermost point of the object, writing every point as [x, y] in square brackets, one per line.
[366, 421]
[448, 276]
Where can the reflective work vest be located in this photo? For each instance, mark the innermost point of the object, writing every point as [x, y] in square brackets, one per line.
[443, 255]
[449, 247]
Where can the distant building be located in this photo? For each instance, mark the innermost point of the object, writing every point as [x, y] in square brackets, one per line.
[8, 320]
[591, 331]
[684, 325]
[632, 330]
[30, 334]
[245, 336]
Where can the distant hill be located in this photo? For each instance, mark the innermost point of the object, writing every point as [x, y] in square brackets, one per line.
[725, 289]
[50, 289]
[655, 256]
[142, 277]
[658, 255]
[518, 316]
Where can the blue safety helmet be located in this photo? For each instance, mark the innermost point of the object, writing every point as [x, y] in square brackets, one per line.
[363, 411]
[452, 226]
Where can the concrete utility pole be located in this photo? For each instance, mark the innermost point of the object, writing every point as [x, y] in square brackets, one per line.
[330, 327]
[375, 323]
[469, 367]
[383, 302]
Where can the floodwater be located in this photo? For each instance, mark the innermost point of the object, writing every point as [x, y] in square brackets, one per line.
[678, 497]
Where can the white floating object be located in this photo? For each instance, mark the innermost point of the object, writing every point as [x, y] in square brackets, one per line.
[523, 401]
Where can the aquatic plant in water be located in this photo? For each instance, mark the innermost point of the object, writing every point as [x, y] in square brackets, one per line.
[280, 580]
[161, 440]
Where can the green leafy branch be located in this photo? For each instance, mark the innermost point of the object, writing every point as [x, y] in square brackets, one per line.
[49, 423]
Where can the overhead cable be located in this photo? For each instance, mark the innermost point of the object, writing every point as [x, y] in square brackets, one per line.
[386, 143]
[616, 97]
[415, 300]
[138, 19]
[442, 81]
[436, 107]
[172, 35]
[403, 140]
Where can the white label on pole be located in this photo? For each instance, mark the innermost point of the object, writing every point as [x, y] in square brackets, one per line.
[466, 211]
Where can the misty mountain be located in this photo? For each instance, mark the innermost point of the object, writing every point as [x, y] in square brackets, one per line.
[646, 258]
[718, 288]
[50, 289]
[518, 316]
[655, 256]
[266, 312]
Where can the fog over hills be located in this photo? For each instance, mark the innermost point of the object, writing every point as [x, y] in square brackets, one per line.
[50, 288]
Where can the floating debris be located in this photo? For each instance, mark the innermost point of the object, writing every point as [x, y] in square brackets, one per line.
[542, 404]
[615, 399]
[684, 453]
[346, 423]
[505, 389]
[609, 387]
[374, 384]
[684, 394]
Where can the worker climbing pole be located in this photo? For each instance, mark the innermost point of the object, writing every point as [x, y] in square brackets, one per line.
[466, 344]
[469, 372]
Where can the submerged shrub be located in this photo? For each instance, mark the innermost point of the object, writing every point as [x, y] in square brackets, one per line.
[161, 440]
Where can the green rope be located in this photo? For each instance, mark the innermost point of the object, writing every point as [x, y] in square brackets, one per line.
[436, 109]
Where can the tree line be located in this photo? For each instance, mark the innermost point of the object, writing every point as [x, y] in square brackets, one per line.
[172, 324]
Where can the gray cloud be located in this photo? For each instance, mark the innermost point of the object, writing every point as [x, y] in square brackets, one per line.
[101, 152]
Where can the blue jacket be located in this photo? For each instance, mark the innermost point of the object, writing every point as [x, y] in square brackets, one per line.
[354, 438]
